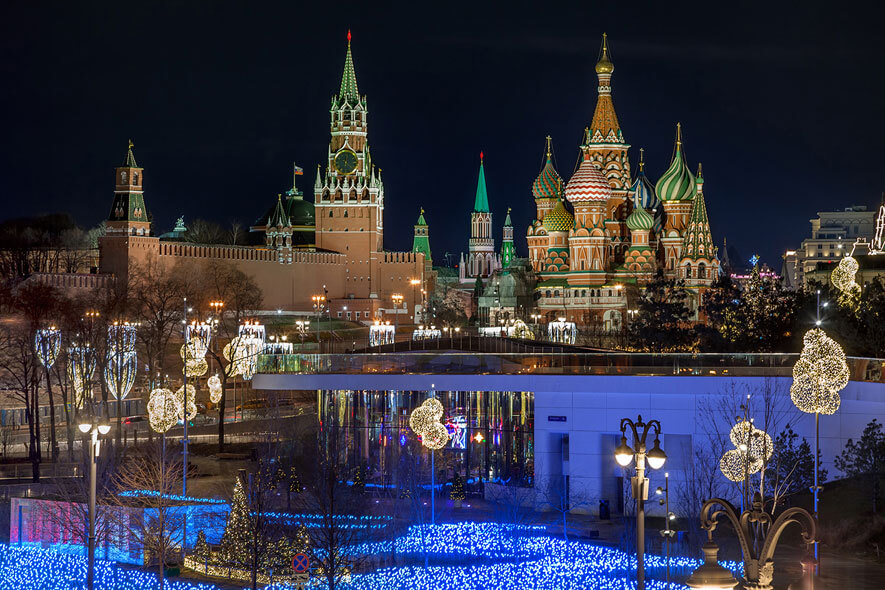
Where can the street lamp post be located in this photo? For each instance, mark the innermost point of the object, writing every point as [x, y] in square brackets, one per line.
[318, 304]
[93, 428]
[397, 300]
[667, 533]
[624, 455]
[415, 283]
[758, 534]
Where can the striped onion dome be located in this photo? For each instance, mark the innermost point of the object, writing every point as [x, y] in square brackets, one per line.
[548, 184]
[587, 184]
[644, 193]
[640, 219]
[559, 219]
[677, 183]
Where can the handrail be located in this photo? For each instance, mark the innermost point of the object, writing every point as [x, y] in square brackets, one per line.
[553, 363]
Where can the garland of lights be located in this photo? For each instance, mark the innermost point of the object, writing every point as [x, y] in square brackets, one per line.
[195, 364]
[242, 353]
[425, 422]
[843, 278]
[198, 336]
[819, 375]
[162, 409]
[122, 363]
[214, 383]
[81, 368]
[47, 344]
[191, 402]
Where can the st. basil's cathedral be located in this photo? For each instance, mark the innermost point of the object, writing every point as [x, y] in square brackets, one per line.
[604, 231]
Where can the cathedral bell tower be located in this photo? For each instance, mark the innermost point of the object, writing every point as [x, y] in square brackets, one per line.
[128, 214]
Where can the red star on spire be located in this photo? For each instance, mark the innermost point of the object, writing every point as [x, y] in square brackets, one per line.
[348, 35]
[480, 156]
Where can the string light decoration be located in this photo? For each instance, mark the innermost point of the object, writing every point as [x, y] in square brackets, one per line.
[199, 336]
[122, 363]
[843, 277]
[81, 368]
[819, 375]
[732, 465]
[162, 409]
[191, 402]
[754, 441]
[47, 344]
[252, 330]
[425, 422]
[242, 352]
[562, 331]
[214, 384]
[196, 365]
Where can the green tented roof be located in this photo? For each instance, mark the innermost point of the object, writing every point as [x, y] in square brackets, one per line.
[481, 204]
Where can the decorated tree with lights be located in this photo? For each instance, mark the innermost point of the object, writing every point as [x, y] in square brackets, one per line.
[201, 550]
[236, 529]
[457, 494]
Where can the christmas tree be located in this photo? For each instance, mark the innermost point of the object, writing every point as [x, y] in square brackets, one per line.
[457, 493]
[237, 537]
[201, 549]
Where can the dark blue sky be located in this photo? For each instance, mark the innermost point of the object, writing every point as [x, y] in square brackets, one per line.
[781, 104]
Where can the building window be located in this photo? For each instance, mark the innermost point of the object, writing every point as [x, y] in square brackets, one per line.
[339, 314]
[357, 315]
[330, 213]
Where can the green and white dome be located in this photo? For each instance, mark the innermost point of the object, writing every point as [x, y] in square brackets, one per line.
[677, 183]
[640, 220]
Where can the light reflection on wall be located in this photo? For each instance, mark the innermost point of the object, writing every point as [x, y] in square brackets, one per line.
[492, 435]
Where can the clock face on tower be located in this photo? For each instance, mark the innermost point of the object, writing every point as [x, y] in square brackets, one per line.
[345, 162]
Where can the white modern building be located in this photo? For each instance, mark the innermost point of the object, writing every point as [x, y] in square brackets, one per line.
[550, 420]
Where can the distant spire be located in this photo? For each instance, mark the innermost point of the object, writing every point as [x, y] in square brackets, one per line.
[319, 181]
[678, 136]
[549, 149]
[129, 162]
[481, 204]
[507, 222]
[349, 89]
[642, 159]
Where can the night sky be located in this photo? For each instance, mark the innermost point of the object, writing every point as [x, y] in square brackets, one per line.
[783, 105]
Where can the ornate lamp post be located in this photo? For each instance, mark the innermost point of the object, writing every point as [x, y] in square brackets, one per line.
[758, 535]
[93, 428]
[656, 457]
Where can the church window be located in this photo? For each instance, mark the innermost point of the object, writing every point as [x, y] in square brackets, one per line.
[123, 176]
[702, 271]
[135, 178]
[345, 213]
[556, 293]
[331, 213]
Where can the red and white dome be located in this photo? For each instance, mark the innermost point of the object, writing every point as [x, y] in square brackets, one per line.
[587, 184]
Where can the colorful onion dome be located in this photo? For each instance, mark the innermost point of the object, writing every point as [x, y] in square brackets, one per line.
[559, 219]
[643, 190]
[548, 184]
[587, 184]
[677, 183]
[640, 220]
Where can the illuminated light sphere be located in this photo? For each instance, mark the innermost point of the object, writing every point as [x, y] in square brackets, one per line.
[197, 368]
[81, 368]
[757, 442]
[162, 409]
[425, 422]
[436, 437]
[819, 375]
[47, 344]
[119, 374]
[732, 465]
[214, 384]
[191, 402]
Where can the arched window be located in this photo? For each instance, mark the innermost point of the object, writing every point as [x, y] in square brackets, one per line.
[331, 213]
[702, 270]
[345, 213]
[135, 178]
[688, 270]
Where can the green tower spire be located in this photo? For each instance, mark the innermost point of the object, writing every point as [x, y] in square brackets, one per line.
[508, 253]
[421, 241]
[698, 241]
[129, 162]
[349, 91]
[481, 204]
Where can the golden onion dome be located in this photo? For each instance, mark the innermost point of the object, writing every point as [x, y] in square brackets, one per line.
[604, 65]
[559, 219]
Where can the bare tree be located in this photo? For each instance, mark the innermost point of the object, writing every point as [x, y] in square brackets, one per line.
[20, 374]
[146, 481]
[335, 505]
[555, 494]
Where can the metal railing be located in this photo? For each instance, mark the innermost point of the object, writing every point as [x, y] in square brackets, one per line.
[759, 365]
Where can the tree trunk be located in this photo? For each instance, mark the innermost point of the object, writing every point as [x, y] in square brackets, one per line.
[221, 409]
[53, 442]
